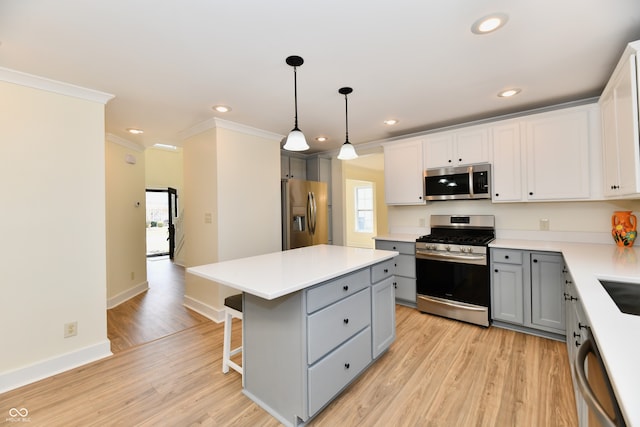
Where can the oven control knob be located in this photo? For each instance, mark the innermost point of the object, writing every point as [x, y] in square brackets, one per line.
[463, 249]
[447, 248]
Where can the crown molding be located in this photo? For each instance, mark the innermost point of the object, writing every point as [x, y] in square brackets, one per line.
[124, 142]
[218, 123]
[42, 83]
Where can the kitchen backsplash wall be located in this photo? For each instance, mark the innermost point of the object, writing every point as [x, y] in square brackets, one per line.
[578, 221]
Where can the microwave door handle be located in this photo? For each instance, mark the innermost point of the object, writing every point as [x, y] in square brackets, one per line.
[470, 171]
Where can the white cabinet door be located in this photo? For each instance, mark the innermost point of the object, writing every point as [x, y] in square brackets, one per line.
[438, 150]
[403, 173]
[506, 166]
[558, 155]
[472, 146]
[619, 104]
[457, 148]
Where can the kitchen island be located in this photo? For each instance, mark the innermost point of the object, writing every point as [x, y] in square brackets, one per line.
[314, 319]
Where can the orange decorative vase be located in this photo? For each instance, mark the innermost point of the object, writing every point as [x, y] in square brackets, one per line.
[623, 229]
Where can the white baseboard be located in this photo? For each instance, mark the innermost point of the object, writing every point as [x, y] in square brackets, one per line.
[215, 314]
[127, 295]
[47, 368]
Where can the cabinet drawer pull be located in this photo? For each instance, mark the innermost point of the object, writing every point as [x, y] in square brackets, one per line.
[346, 365]
[496, 270]
[345, 287]
[346, 321]
[386, 270]
[506, 257]
[535, 260]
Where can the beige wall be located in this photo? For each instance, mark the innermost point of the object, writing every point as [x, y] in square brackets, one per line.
[52, 256]
[163, 168]
[234, 176]
[125, 222]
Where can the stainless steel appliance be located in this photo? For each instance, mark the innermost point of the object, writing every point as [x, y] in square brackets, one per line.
[452, 267]
[595, 385]
[304, 213]
[461, 182]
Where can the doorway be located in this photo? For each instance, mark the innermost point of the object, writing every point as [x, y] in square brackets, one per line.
[161, 213]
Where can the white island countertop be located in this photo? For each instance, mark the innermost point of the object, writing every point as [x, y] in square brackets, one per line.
[277, 274]
[616, 333]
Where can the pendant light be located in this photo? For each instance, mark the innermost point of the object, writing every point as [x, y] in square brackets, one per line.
[295, 140]
[347, 152]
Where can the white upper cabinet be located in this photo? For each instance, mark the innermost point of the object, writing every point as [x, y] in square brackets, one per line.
[403, 173]
[455, 148]
[507, 163]
[557, 155]
[620, 138]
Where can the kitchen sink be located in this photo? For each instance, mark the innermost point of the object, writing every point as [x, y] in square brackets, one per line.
[626, 295]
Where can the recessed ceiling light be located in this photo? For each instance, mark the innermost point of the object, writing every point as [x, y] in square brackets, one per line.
[391, 122]
[222, 108]
[165, 146]
[322, 139]
[509, 92]
[135, 131]
[489, 23]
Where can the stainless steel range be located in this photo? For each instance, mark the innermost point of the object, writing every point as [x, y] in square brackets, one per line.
[452, 267]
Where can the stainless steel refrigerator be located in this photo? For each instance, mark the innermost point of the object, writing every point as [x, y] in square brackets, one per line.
[304, 213]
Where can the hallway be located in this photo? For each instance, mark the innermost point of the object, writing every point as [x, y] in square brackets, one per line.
[153, 314]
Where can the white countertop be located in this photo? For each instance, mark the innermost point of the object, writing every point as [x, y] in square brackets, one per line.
[617, 334]
[277, 274]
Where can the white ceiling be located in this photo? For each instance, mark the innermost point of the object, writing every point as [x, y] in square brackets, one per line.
[169, 62]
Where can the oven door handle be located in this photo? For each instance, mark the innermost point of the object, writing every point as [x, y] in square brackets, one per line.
[450, 303]
[469, 259]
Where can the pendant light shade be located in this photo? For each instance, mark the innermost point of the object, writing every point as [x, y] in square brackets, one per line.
[347, 152]
[295, 140]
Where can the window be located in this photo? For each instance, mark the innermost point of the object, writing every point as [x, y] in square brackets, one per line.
[364, 209]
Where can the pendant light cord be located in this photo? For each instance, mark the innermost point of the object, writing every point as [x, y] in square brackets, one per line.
[295, 96]
[346, 118]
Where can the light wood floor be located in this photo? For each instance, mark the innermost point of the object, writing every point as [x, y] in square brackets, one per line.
[438, 372]
[153, 314]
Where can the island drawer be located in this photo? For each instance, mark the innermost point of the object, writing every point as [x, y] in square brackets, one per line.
[334, 372]
[335, 324]
[407, 248]
[336, 289]
[383, 270]
[507, 256]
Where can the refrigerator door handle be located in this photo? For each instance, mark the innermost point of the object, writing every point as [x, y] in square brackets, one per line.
[309, 214]
[314, 208]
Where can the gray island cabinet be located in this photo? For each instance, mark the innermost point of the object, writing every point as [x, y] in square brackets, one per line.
[314, 318]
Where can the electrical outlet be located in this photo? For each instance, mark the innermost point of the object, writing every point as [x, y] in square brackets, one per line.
[544, 224]
[70, 329]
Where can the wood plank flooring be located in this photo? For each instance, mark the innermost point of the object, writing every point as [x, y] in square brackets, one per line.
[438, 372]
[153, 314]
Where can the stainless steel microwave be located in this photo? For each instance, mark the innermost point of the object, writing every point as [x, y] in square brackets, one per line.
[455, 183]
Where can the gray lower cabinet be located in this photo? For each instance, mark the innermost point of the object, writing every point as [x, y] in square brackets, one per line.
[303, 349]
[405, 280]
[527, 289]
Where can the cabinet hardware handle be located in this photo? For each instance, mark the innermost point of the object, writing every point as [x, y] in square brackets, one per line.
[506, 257]
[577, 343]
[346, 321]
[581, 326]
[535, 260]
[394, 248]
[575, 335]
[459, 160]
[531, 193]
[497, 194]
[449, 160]
[573, 298]
[568, 281]
[420, 197]
[345, 287]
[386, 270]
[346, 365]
[395, 285]
[496, 270]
